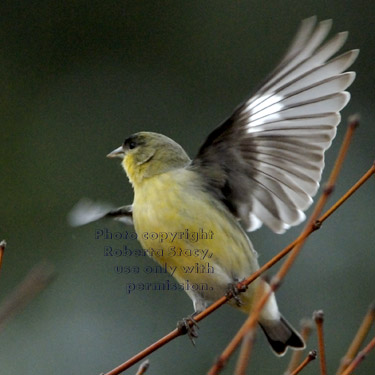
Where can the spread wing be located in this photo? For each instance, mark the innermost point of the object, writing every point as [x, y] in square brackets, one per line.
[265, 162]
[87, 211]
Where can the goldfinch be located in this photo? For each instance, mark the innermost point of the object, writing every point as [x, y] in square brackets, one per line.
[260, 166]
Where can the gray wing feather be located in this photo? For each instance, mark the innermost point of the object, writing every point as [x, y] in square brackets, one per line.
[265, 162]
[87, 211]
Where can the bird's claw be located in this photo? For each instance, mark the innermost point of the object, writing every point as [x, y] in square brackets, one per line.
[234, 292]
[188, 326]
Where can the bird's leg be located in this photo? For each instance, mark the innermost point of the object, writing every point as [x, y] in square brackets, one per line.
[234, 291]
[189, 326]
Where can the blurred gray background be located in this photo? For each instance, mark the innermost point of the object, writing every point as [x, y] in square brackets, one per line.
[77, 77]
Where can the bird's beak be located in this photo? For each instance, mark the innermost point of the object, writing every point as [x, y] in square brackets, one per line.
[118, 153]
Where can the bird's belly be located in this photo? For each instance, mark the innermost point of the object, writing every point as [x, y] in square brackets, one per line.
[197, 242]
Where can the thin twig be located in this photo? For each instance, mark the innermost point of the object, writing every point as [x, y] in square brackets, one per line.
[3, 245]
[348, 194]
[359, 358]
[311, 356]
[319, 320]
[360, 336]
[143, 367]
[306, 328]
[249, 337]
[34, 282]
[245, 353]
[353, 123]
[222, 359]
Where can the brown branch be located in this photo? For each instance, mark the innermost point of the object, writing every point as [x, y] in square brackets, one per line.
[319, 319]
[306, 328]
[311, 356]
[360, 357]
[353, 123]
[3, 245]
[358, 338]
[245, 353]
[249, 337]
[348, 194]
[246, 329]
[145, 352]
[175, 333]
[34, 282]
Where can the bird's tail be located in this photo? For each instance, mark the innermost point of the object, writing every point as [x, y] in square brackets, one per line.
[281, 335]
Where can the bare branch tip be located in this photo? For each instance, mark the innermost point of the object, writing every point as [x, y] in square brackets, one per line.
[318, 316]
[313, 354]
[3, 244]
[353, 120]
[143, 367]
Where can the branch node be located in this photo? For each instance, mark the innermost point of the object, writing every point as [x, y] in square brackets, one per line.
[328, 189]
[317, 224]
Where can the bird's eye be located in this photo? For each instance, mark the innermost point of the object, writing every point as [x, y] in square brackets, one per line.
[132, 145]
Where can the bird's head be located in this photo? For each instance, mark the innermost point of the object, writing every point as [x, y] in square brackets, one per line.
[147, 154]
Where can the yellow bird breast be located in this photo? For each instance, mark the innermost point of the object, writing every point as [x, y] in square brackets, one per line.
[196, 237]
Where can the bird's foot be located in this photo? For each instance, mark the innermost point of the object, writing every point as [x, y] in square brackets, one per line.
[234, 291]
[189, 326]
